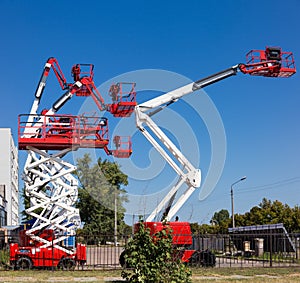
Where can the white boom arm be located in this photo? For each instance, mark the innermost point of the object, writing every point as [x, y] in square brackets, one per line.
[174, 95]
[187, 172]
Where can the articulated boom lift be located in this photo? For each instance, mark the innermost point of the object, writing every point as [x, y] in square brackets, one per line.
[49, 182]
[271, 62]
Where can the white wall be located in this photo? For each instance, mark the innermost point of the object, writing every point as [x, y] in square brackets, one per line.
[9, 175]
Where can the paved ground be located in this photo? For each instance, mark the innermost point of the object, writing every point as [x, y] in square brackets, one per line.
[109, 257]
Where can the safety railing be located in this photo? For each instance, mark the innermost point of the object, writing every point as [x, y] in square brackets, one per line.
[62, 131]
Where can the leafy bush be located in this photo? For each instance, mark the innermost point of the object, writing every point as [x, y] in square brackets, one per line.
[151, 259]
[4, 257]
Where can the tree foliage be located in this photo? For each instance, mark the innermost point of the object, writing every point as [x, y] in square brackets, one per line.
[266, 212]
[101, 191]
[27, 204]
[153, 259]
[219, 223]
[220, 217]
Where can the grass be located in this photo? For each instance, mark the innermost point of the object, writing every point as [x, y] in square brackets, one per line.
[241, 275]
[200, 275]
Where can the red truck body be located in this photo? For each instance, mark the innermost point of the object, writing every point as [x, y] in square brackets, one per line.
[28, 257]
[181, 231]
[30, 254]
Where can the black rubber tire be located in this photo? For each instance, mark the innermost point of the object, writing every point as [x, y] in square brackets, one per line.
[194, 259]
[203, 258]
[122, 259]
[67, 264]
[24, 263]
[207, 258]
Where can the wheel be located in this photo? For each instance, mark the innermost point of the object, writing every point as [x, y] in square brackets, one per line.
[67, 264]
[195, 259]
[122, 260]
[203, 258]
[23, 263]
[207, 258]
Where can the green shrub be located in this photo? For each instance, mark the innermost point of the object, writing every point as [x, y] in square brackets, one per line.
[4, 257]
[150, 259]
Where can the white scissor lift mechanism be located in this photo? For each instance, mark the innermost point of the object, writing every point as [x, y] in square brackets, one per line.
[56, 202]
[272, 62]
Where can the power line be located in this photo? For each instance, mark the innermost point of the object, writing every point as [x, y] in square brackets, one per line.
[260, 187]
[271, 185]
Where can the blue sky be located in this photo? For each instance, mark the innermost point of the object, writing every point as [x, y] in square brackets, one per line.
[191, 38]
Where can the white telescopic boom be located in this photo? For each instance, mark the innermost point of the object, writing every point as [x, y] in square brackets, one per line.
[187, 172]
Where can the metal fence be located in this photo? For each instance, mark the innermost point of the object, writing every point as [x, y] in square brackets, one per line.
[248, 250]
[231, 250]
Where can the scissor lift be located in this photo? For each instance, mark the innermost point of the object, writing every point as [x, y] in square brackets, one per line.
[49, 181]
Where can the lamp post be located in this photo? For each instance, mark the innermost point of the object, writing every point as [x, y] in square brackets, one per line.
[232, 203]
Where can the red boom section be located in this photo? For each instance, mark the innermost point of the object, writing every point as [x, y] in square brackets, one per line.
[52, 63]
[272, 62]
[84, 73]
[58, 132]
[181, 231]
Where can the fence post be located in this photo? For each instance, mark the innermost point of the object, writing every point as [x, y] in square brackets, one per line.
[52, 252]
[271, 248]
[297, 247]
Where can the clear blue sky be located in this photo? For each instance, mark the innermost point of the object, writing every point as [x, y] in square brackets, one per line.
[191, 38]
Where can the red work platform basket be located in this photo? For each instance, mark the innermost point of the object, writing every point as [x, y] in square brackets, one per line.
[123, 147]
[123, 99]
[58, 132]
[272, 62]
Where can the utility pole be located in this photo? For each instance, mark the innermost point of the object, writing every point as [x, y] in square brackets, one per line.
[116, 220]
[232, 201]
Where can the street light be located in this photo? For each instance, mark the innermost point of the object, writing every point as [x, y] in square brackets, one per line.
[232, 204]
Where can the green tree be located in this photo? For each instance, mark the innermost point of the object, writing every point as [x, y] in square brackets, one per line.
[204, 228]
[27, 204]
[271, 212]
[294, 219]
[266, 212]
[101, 189]
[153, 259]
[220, 216]
[221, 221]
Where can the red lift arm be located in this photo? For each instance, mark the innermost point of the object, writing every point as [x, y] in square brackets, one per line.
[123, 103]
